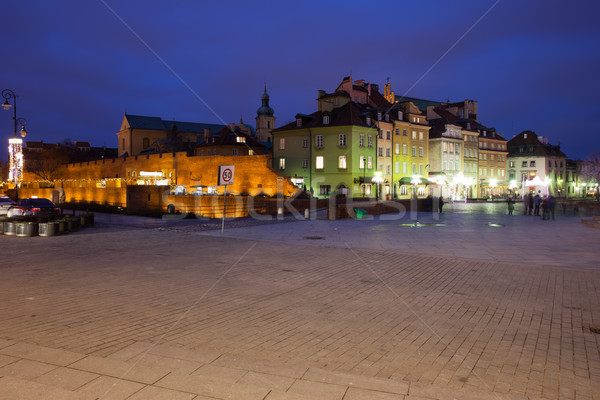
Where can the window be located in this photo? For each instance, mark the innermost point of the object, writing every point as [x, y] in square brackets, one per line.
[370, 141]
[397, 131]
[304, 142]
[326, 120]
[370, 162]
[404, 167]
[234, 152]
[342, 139]
[368, 121]
[445, 147]
[361, 141]
[298, 122]
[404, 132]
[421, 136]
[550, 163]
[282, 163]
[511, 164]
[492, 157]
[378, 116]
[397, 167]
[485, 156]
[281, 143]
[532, 163]
[324, 189]
[380, 151]
[380, 134]
[123, 144]
[421, 152]
[403, 190]
[524, 164]
[145, 143]
[388, 169]
[414, 135]
[387, 152]
[420, 169]
[414, 169]
[491, 171]
[388, 135]
[414, 151]
[305, 163]
[320, 162]
[361, 164]
[319, 140]
[342, 162]
[397, 148]
[240, 139]
[405, 149]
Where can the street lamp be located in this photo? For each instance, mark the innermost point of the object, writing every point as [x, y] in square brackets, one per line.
[15, 145]
[377, 180]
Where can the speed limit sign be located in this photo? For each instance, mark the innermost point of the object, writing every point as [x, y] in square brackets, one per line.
[226, 174]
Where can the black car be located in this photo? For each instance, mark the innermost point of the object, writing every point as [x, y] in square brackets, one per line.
[33, 206]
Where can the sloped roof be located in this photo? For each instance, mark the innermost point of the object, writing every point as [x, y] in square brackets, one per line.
[349, 114]
[528, 143]
[158, 124]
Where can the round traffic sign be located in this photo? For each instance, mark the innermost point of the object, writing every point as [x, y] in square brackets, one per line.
[227, 175]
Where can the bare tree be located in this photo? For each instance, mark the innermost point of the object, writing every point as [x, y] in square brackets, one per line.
[591, 170]
[45, 164]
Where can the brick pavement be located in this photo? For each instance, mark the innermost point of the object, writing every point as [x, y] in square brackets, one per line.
[116, 312]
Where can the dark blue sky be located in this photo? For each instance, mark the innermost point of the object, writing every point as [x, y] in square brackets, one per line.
[78, 66]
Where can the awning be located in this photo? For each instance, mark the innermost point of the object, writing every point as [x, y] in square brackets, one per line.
[407, 180]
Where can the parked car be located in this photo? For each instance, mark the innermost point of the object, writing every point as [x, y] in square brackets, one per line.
[5, 203]
[33, 206]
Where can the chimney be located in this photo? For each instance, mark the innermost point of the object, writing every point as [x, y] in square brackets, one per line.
[321, 93]
[206, 133]
[232, 127]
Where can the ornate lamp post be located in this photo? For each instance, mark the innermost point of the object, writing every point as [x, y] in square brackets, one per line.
[377, 180]
[15, 145]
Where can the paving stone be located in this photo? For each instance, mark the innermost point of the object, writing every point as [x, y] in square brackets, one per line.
[42, 354]
[120, 370]
[66, 378]
[211, 387]
[156, 393]
[269, 381]
[107, 388]
[365, 394]
[318, 390]
[26, 369]
[19, 389]
[353, 380]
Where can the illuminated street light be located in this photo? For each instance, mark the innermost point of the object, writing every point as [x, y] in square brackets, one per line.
[15, 145]
[377, 180]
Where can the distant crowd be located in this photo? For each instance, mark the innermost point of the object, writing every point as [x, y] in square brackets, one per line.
[533, 204]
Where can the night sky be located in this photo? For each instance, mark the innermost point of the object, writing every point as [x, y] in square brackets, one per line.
[79, 65]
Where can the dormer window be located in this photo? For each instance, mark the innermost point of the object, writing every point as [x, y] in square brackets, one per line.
[369, 121]
[378, 116]
[326, 120]
[387, 118]
[240, 139]
[298, 122]
[400, 116]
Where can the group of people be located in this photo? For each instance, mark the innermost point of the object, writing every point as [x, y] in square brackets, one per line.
[532, 205]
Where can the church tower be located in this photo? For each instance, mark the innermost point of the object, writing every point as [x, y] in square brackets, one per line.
[265, 121]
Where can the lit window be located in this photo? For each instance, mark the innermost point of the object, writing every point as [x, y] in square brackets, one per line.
[421, 152]
[397, 167]
[414, 169]
[414, 151]
[282, 163]
[342, 162]
[370, 162]
[397, 148]
[380, 151]
[404, 167]
[414, 135]
[250, 152]
[320, 162]
[240, 139]
[405, 149]
[325, 119]
[281, 143]
[361, 142]
[421, 136]
[362, 162]
[370, 141]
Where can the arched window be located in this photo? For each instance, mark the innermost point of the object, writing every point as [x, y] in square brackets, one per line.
[268, 124]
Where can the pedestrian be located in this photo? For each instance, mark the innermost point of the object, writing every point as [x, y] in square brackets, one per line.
[551, 206]
[441, 204]
[529, 203]
[511, 205]
[537, 200]
[544, 205]
[525, 205]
